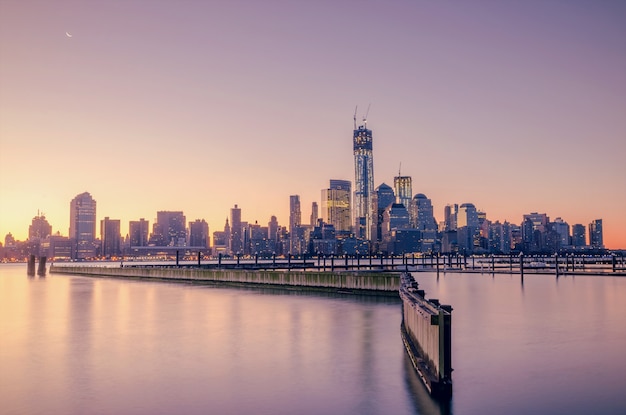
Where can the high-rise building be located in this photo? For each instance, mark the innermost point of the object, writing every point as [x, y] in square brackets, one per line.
[169, 229]
[295, 214]
[534, 232]
[236, 231]
[272, 229]
[364, 209]
[138, 231]
[314, 214]
[562, 230]
[110, 236]
[404, 190]
[467, 226]
[595, 234]
[199, 234]
[39, 228]
[83, 225]
[336, 209]
[579, 237]
[421, 213]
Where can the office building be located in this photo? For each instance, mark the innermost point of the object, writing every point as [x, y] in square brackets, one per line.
[169, 229]
[110, 237]
[199, 234]
[595, 234]
[579, 235]
[364, 210]
[404, 190]
[336, 209]
[83, 225]
[236, 231]
[138, 232]
[39, 228]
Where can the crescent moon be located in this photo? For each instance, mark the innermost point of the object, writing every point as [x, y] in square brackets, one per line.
[67, 34]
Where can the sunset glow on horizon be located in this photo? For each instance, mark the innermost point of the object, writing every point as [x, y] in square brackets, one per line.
[198, 106]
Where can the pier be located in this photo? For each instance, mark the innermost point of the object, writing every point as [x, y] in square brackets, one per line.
[427, 336]
[350, 282]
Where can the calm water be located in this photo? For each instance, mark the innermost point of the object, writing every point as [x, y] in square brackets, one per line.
[77, 345]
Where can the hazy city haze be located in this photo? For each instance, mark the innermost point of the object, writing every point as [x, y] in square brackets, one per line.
[198, 106]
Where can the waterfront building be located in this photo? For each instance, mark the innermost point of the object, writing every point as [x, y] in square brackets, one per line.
[336, 209]
[169, 229]
[579, 236]
[562, 230]
[404, 190]
[272, 229]
[500, 238]
[59, 247]
[534, 231]
[385, 197]
[110, 237]
[295, 214]
[421, 213]
[236, 232]
[39, 228]
[450, 217]
[364, 210]
[199, 234]
[596, 239]
[314, 214]
[467, 227]
[83, 225]
[138, 231]
[221, 240]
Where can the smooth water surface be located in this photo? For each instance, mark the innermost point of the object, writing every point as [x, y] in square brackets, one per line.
[79, 345]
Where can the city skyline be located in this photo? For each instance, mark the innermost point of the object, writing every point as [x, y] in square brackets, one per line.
[515, 108]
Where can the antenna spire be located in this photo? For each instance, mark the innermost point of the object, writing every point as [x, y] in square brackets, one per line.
[400, 169]
[355, 108]
[366, 113]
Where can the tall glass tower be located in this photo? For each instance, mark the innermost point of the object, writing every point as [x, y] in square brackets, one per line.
[364, 213]
[83, 225]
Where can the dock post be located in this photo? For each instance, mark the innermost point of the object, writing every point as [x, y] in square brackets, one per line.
[346, 255]
[30, 269]
[256, 260]
[332, 263]
[493, 264]
[521, 264]
[177, 257]
[511, 263]
[198, 259]
[613, 261]
[41, 271]
[556, 264]
[219, 260]
[288, 261]
[437, 260]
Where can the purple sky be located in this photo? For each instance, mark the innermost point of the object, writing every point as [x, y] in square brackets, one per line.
[516, 107]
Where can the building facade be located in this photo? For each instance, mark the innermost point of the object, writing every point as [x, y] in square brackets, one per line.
[83, 226]
[364, 209]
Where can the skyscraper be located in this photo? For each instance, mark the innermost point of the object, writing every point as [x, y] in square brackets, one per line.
[170, 229]
[579, 238]
[83, 225]
[336, 208]
[138, 231]
[404, 191]
[110, 236]
[314, 214]
[295, 214]
[236, 231]
[364, 210]
[199, 234]
[595, 234]
[39, 228]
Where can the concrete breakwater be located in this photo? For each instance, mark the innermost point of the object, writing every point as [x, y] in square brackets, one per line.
[426, 333]
[360, 282]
